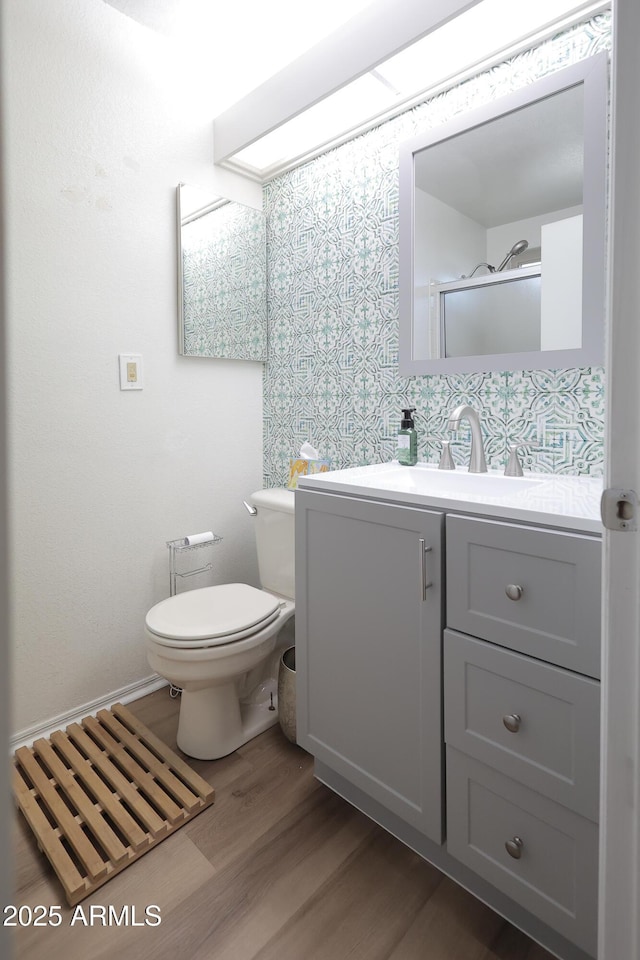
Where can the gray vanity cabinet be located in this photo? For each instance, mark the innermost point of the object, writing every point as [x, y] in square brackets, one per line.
[368, 649]
[513, 672]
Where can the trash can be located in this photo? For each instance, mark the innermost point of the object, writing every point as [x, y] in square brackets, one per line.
[287, 694]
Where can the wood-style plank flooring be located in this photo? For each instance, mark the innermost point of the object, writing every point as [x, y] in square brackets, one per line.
[279, 868]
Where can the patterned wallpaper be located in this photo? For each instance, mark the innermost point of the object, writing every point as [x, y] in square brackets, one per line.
[332, 251]
[224, 284]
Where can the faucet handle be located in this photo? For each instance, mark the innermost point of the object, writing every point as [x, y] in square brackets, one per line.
[446, 460]
[514, 467]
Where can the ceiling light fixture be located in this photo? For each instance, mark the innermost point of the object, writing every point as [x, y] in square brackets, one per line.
[487, 33]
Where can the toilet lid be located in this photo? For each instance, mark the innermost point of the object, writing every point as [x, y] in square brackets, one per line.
[213, 613]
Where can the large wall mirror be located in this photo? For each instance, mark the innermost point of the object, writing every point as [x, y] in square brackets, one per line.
[502, 232]
[222, 277]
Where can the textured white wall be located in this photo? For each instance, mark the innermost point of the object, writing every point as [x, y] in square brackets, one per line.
[98, 138]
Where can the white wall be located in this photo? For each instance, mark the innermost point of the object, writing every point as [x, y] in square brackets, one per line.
[500, 239]
[98, 138]
[561, 302]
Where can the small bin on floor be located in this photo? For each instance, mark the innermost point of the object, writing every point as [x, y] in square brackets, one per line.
[287, 694]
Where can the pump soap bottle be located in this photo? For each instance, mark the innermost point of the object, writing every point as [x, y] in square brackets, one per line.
[407, 453]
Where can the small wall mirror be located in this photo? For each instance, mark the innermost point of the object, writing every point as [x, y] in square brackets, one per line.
[222, 277]
[502, 232]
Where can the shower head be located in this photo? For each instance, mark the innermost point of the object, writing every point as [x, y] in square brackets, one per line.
[515, 251]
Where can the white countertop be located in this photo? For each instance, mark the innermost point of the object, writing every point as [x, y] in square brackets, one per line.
[552, 500]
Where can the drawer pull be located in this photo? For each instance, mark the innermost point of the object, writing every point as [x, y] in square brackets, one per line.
[514, 848]
[513, 591]
[512, 722]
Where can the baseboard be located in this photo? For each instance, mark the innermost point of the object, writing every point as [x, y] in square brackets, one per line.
[133, 691]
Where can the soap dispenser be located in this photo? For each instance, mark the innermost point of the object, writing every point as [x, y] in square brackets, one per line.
[407, 450]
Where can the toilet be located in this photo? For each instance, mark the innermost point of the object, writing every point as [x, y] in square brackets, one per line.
[222, 644]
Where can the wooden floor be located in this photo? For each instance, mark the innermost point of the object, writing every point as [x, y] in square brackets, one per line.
[279, 868]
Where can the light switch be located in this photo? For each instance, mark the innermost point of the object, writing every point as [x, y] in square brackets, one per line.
[130, 371]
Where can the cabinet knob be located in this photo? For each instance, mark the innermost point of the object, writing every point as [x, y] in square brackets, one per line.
[513, 591]
[514, 847]
[512, 722]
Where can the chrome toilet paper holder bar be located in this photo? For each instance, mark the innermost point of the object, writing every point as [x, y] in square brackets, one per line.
[176, 547]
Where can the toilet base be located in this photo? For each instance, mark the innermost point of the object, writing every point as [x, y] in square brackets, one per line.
[213, 722]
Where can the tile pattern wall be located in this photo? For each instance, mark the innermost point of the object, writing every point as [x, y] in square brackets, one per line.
[332, 376]
[224, 284]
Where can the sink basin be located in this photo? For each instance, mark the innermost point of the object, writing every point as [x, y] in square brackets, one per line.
[428, 480]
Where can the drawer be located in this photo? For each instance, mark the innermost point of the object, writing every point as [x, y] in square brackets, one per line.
[536, 723]
[556, 874]
[532, 590]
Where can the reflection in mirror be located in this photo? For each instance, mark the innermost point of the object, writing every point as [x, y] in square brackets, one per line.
[222, 277]
[492, 316]
[502, 232]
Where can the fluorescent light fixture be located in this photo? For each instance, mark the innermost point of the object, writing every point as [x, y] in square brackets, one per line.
[345, 109]
[479, 33]
[491, 28]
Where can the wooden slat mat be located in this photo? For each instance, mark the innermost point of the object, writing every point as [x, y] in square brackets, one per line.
[102, 794]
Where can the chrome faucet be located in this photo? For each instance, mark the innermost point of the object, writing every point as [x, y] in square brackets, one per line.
[477, 462]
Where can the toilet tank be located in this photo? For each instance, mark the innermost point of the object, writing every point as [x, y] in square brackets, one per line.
[275, 530]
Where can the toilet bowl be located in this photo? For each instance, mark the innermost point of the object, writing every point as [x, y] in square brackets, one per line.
[221, 644]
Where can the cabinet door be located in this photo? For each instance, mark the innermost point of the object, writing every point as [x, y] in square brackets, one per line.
[368, 649]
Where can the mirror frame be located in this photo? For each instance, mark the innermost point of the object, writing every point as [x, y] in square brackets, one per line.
[593, 74]
[216, 203]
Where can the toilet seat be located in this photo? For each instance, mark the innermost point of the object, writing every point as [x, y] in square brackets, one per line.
[212, 616]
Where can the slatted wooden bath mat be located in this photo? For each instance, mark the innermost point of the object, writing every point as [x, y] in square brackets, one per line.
[102, 794]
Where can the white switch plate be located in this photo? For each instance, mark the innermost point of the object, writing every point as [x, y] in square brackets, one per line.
[130, 371]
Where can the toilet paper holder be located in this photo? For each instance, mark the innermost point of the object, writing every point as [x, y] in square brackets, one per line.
[177, 547]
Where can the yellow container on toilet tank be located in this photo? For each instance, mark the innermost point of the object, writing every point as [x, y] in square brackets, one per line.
[300, 467]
